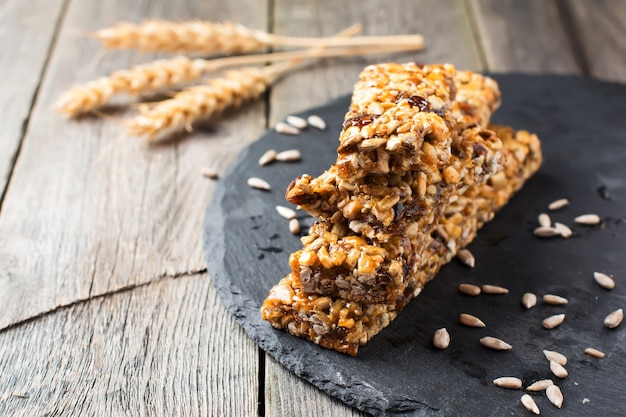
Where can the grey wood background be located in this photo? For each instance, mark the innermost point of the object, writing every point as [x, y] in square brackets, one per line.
[105, 304]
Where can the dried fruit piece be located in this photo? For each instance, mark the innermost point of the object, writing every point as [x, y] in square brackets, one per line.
[469, 289]
[555, 395]
[614, 319]
[604, 280]
[553, 321]
[530, 404]
[471, 321]
[441, 338]
[509, 382]
[529, 300]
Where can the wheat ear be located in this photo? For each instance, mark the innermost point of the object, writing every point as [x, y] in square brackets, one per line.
[221, 37]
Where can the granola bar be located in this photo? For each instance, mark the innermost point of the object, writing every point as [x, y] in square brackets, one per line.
[344, 325]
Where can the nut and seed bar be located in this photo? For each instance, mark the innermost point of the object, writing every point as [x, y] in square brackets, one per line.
[343, 325]
[356, 256]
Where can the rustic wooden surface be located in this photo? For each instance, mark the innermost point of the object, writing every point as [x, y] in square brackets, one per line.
[105, 305]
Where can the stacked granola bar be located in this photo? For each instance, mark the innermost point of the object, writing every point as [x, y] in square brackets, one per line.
[417, 174]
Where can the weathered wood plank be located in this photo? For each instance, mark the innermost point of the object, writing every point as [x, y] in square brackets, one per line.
[285, 393]
[91, 211]
[26, 34]
[331, 78]
[169, 348]
[523, 36]
[601, 28]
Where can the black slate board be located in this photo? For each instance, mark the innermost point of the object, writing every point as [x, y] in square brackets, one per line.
[582, 124]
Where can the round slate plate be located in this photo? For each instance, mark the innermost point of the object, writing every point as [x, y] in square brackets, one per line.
[582, 124]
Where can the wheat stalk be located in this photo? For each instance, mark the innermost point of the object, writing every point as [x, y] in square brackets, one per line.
[220, 37]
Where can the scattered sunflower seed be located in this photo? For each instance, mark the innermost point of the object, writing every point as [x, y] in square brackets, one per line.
[529, 300]
[555, 356]
[297, 122]
[595, 353]
[210, 173]
[494, 289]
[289, 155]
[471, 321]
[286, 212]
[466, 257]
[604, 280]
[495, 343]
[586, 400]
[286, 129]
[540, 385]
[614, 319]
[546, 232]
[441, 338]
[469, 289]
[544, 220]
[554, 299]
[509, 382]
[558, 204]
[563, 230]
[294, 226]
[555, 395]
[558, 370]
[267, 157]
[588, 219]
[259, 183]
[553, 321]
[530, 404]
[316, 121]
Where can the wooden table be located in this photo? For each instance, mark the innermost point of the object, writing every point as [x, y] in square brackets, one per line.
[106, 307]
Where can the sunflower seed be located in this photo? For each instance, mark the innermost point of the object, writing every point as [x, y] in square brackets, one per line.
[297, 122]
[494, 289]
[558, 370]
[286, 212]
[540, 385]
[289, 155]
[544, 220]
[604, 280]
[471, 321]
[586, 400]
[466, 257]
[563, 230]
[509, 382]
[469, 289]
[555, 395]
[558, 204]
[554, 299]
[286, 129]
[546, 232]
[588, 219]
[294, 226]
[614, 319]
[316, 121]
[555, 356]
[495, 343]
[441, 338]
[267, 157]
[553, 321]
[210, 173]
[595, 353]
[529, 300]
[259, 183]
[530, 404]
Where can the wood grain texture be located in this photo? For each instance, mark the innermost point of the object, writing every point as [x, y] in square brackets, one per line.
[523, 36]
[601, 28]
[169, 348]
[287, 395]
[90, 210]
[331, 78]
[26, 33]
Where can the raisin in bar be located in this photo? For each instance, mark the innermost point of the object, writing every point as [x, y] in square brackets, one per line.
[344, 257]
[343, 325]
